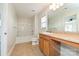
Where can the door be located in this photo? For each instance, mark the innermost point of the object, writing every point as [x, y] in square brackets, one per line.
[3, 17]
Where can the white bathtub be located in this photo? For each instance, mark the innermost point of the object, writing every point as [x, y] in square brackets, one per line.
[23, 39]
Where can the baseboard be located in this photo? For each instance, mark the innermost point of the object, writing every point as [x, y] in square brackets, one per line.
[9, 53]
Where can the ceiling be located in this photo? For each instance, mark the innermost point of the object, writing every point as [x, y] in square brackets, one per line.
[28, 9]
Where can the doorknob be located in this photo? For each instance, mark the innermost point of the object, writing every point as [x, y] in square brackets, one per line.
[5, 33]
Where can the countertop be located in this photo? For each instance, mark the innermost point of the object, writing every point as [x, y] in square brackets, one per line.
[73, 37]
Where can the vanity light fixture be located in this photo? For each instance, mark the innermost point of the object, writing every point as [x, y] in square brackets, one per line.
[55, 6]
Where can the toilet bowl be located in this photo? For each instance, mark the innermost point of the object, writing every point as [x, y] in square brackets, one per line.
[34, 41]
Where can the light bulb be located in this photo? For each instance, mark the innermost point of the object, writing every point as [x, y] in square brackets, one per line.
[61, 4]
[50, 6]
[54, 6]
[57, 5]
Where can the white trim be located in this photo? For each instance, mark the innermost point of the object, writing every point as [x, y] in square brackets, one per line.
[9, 53]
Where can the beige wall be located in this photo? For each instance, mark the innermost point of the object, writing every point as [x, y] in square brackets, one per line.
[11, 27]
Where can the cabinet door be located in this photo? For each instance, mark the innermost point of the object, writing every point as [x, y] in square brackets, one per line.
[54, 51]
[54, 48]
[41, 44]
[46, 47]
[51, 51]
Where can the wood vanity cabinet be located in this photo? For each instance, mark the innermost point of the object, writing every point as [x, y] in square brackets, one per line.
[44, 44]
[48, 46]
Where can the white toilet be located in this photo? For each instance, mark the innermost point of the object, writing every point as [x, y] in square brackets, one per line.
[34, 41]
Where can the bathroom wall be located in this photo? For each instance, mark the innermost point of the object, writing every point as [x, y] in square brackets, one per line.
[36, 27]
[11, 27]
[37, 23]
[43, 13]
[24, 29]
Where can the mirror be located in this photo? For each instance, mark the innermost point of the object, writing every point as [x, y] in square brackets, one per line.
[64, 19]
